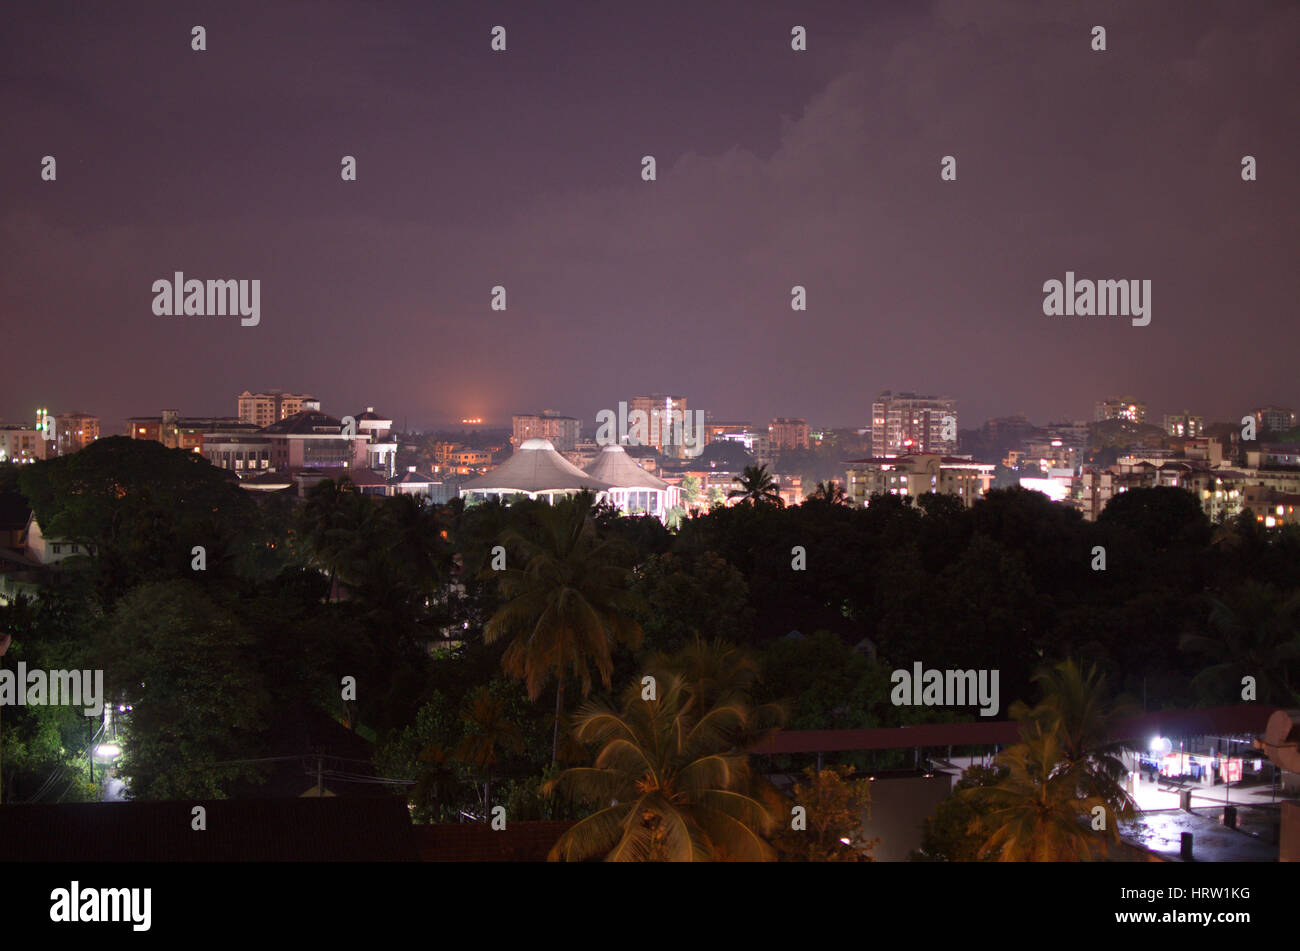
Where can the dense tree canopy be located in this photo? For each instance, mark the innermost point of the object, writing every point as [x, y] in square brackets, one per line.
[469, 672]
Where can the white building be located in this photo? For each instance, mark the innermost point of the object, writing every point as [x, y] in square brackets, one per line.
[633, 490]
[535, 470]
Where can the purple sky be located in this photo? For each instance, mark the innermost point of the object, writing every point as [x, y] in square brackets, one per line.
[775, 168]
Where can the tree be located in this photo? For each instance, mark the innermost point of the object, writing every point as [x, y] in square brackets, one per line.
[686, 596]
[1035, 814]
[670, 781]
[566, 608]
[1075, 709]
[690, 490]
[716, 496]
[425, 751]
[331, 518]
[1162, 516]
[831, 493]
[1257, 634]
[489, 731]
[757, 487]
[834, 804]
[181, 661]
[946, 835]
[142, 508]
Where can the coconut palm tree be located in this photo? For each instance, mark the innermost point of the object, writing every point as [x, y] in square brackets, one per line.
[1258, 635]
[831, 492]
[414, 533]
[1036, 813]
[670, 780]
[567, 603]
[1076, 708]
[331, 520]
[489, 732]
[718, 672]
[757, 487]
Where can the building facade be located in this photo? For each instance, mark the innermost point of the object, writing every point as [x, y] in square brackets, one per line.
[563, 432]
[664, 413]
[1185, 426]
[22, 444]
[1275, 419]
[788, 432]
[73, 431]
[310, 439]
[263, 409]
[905, 423]
[1120, 407]
[918, 474]
[181, 432]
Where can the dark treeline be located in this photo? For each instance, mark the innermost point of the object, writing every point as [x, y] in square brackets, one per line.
[438, 616]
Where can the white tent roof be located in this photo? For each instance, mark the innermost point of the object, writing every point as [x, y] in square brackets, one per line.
[535, 467]
[616, 467]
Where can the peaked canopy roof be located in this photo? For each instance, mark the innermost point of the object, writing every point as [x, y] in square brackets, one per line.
[535, 467]
[615, 466]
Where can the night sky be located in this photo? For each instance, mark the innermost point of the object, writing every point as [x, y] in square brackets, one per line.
[523, 169]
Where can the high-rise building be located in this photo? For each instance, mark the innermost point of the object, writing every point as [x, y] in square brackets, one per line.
[664, 414]
[1185, 425]
[562, 431]
[73, 431]
[263, 409]
[1120, 407]
[788, 433]
[1275, 419]
[903, 423]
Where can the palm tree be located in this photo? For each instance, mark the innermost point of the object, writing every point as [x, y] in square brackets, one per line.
[438, 782]
[718, 672]
[331, 518]
[1075, 708]
[566, 607]
[671, 780]
[1258, 636]
[1036, 813]
[757, 487]
[414, 534]
[488, 731]
[832, 493]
